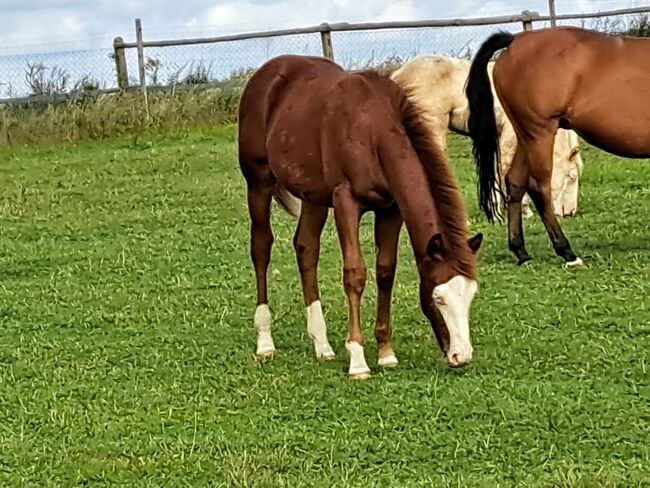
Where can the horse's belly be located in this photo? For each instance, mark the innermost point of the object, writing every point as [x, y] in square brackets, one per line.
[620, 127]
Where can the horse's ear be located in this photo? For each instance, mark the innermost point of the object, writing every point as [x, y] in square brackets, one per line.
[434, 248]
[475, 242]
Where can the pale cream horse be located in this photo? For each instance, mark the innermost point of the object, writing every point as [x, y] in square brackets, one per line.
[438, 84]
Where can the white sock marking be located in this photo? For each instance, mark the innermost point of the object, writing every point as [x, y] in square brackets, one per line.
[262, 321]
[358, 366]
[573, 264]
[317, 330]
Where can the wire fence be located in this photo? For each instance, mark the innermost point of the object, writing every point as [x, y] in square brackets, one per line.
[197, 61]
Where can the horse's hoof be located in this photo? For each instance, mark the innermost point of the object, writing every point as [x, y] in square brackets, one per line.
[359, 376]
[326, 356]
[523, 260]
[265, 353]
[388, 361]
[576, 263]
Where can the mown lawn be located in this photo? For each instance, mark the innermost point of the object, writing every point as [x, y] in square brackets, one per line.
[127, 342]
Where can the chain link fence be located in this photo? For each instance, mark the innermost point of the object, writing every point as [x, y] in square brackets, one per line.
[230, 59]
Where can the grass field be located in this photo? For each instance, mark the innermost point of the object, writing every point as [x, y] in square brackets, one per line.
[126, 356]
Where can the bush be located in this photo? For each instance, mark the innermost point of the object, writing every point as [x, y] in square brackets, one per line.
[639, 27]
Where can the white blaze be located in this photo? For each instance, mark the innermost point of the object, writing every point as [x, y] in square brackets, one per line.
[453, 299]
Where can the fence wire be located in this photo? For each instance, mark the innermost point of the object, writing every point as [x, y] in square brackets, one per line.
[368, 49]
[50, 73]
[67, 70]
[202, 63]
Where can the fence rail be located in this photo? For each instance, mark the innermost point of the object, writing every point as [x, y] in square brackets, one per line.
[133, 54]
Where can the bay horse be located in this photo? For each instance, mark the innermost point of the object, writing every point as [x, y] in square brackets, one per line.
[354, 142]
[593, 83]
[437, 84]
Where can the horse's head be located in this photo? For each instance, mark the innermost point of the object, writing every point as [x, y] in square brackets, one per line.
[446, 296]
[567, 168]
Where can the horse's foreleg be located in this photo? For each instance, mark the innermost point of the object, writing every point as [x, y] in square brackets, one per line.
[259, 208]
[516, 182]
[388, 223]
[307, 245]
[347, 213]
[541, 167]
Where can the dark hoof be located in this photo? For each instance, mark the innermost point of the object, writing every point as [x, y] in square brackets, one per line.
[523, 260]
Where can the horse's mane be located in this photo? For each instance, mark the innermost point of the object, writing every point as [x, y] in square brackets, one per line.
[444, 190]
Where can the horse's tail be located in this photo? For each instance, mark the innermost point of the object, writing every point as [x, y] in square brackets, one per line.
[287, 201]
[482, 124]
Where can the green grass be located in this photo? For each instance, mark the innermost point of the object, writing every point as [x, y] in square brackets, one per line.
[127, 348]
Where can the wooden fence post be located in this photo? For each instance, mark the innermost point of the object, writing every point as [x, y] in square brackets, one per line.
[138, 40]
[120, 64]
[141, 72]
[326, 41]
[527, 20]
[551, 12]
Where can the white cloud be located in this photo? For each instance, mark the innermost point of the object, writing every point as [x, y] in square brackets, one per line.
[234, 15]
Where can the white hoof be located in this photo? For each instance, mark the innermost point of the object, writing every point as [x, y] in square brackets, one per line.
[326, 354]
[573, 264]
[359, 376]
[359, 369]
[388, 361]
[265, 346]
[265, 351]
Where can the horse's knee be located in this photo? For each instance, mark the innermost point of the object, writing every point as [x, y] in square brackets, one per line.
[385, 277]
[354, 279]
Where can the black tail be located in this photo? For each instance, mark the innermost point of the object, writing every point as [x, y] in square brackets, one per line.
[482, 124]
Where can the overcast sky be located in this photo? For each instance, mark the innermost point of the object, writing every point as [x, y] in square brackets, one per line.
[25, 22]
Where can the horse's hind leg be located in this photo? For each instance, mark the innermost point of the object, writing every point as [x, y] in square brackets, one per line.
[307, 245]
[347, 213]
[516, 183]
[540, 153]
[387, 226]
[260, 192]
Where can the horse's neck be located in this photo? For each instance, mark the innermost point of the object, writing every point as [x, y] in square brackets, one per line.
[410, 189]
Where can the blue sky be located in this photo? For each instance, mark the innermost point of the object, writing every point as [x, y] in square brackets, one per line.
[51, 22]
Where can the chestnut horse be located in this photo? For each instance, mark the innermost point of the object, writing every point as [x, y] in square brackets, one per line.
[595, 84]
[354, 142]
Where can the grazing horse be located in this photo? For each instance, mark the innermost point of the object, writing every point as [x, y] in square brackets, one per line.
[354, 142]
[595, 84]
[437, 84]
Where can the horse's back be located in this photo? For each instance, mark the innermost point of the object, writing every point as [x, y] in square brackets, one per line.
[436, 84]
[281, 84]
[581, 78]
